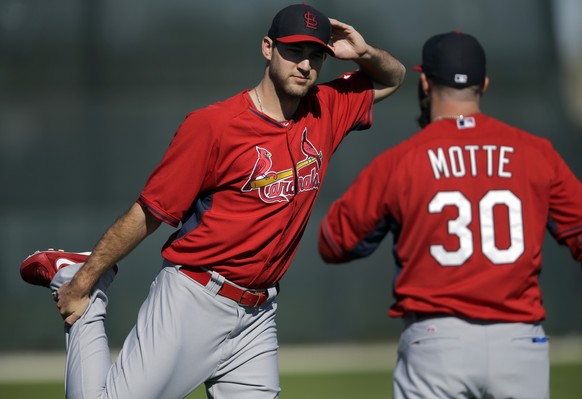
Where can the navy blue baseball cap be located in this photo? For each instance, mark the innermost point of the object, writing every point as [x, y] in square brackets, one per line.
[301, 23]
[453, 59]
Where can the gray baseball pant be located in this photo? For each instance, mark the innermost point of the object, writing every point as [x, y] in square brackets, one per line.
[449, 357]
[185, 336]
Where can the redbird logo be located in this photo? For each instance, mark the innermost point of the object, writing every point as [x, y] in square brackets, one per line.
[310, 20]
[279, 186]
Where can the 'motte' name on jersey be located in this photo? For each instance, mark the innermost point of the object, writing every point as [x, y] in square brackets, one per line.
[457, 161]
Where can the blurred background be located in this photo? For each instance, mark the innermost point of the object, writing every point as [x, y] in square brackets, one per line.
[92, 91]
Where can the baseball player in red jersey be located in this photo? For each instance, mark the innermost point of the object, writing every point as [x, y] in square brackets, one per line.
[468, 200]
[238, 181]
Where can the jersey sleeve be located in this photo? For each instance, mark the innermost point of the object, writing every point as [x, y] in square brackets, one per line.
[360, 219]
[565, 210]
[349, 100]
[183, 173]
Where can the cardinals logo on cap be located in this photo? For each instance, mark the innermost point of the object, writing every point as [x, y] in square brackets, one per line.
[310, 20]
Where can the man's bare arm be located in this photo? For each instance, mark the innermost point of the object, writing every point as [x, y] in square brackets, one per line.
[117, 242]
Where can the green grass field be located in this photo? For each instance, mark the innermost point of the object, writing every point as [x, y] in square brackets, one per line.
[566, 383]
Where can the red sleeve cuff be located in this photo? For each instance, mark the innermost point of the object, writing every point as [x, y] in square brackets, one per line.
[157, 212]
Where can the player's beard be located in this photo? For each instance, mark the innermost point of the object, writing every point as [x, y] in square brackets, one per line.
[424, 103]
[285, 88]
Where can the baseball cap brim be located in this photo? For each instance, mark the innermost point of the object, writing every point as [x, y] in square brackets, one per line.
[306, 38]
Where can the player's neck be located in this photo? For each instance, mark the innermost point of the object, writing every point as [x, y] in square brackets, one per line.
[453, 111]
[270, 103]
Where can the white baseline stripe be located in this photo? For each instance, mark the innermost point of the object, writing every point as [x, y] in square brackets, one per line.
[293, 359]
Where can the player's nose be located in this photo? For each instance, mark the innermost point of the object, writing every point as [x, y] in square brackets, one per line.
[304, 65]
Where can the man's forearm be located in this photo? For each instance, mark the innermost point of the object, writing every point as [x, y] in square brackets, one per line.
[382, 67]
[118, 241]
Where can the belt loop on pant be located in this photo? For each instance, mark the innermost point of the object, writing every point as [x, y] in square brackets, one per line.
[216, 282]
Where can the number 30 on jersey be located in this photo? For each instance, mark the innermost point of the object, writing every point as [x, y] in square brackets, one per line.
[460, 227]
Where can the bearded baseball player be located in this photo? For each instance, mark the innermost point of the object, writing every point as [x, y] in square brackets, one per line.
[238, 181]
[468, 200]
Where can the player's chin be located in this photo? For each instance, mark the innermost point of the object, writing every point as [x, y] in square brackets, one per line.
[299, 89]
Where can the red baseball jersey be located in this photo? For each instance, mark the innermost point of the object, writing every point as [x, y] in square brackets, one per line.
[468, 202]
[243, 185]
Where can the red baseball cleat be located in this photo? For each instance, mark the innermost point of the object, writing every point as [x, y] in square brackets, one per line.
[40, 267]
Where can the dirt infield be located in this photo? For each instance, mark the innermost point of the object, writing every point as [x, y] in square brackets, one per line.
[49, 366]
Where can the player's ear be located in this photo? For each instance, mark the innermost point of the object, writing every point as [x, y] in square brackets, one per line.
[267, 47]
[424, 84]
[485, 85]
